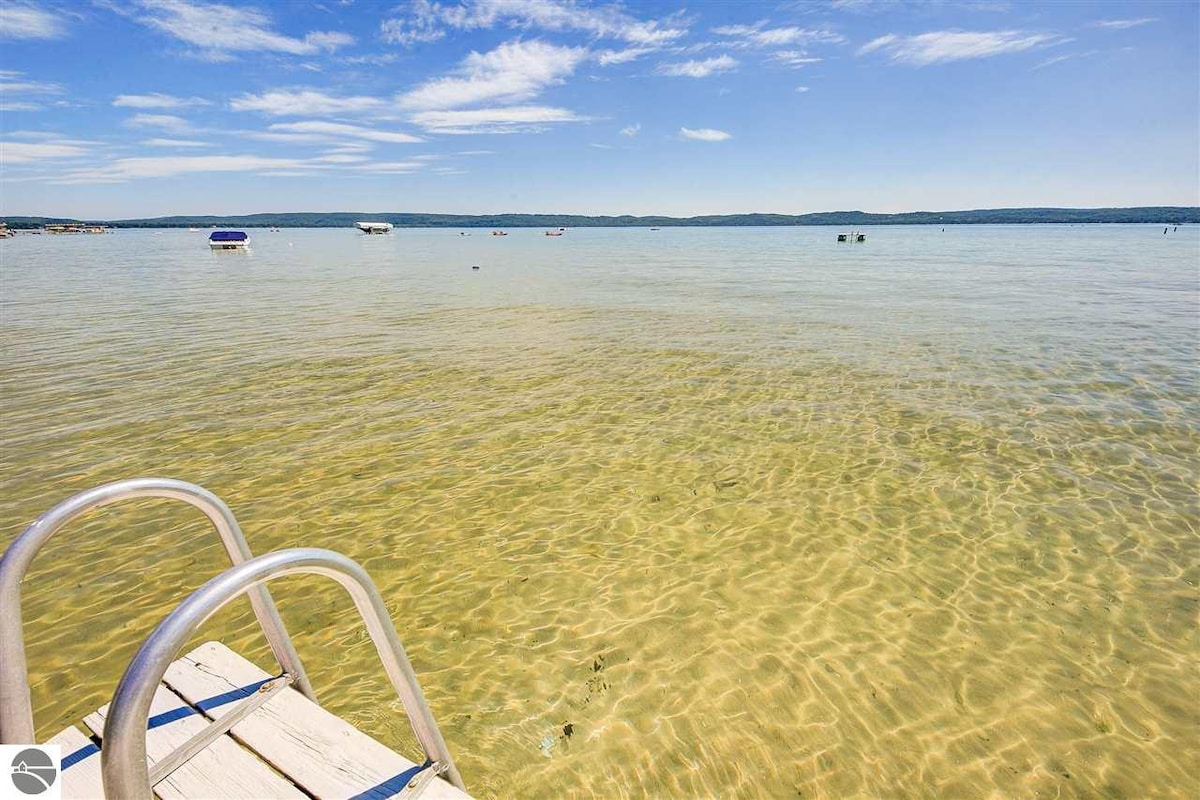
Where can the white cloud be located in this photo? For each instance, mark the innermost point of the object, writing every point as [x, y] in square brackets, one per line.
[758, 35]
[13, 82]
[601, 146]
[422, 25]
[513, 72]
[940, 47]
[510, 119]
[795, 58]
[174, 143]
[167, 122]
[166, 166]
[303, 103]
[217, 29]
[802, 89]
[704, 134]
[426, 21]
[338, 129]
[23, 20]
[341, 158]
[157, 100]
[699, 69]
[24, 152]
[1123, 24]
[609, 57]
[390, 167]
[631, 130]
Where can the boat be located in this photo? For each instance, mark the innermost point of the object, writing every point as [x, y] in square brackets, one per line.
[5, 233]
[853, 236]
[554, 233]
[374, 227]
[499, 233]
[208, 722]
[228, 240]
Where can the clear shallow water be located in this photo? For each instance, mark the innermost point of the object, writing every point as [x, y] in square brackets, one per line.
[755, 513]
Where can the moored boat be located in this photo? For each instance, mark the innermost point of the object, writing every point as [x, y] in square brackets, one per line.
[374, 227]
[228, 240]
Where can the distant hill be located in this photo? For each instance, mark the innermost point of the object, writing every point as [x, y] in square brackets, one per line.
[345, 219]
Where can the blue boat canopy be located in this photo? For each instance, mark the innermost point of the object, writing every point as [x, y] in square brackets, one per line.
[228, 236]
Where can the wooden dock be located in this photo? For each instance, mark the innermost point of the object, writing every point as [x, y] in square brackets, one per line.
[289, 747]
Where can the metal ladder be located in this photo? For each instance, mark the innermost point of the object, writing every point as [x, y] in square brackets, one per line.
[123, 754]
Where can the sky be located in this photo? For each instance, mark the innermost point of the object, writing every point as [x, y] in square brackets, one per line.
[115, 109]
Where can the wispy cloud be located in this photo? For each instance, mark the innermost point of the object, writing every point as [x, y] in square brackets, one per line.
[24, 20]
[13, 82]
[759, 35]
[304, 103]
[801, 89]
[1122, 24]
[338, 129]
[174, 143]
[513, 72]
[795, 58]
[390, 167]
[632, 130]
[939, 47]
[25, 152]
[427, 21]
[157, 100]
[511, 119]
[217, 30]
[422, 24]
[609, 57]
[699, 69]
[704, 134]
[166, 122]
[125, 169]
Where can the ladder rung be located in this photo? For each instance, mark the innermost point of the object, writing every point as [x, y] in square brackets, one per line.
[204, 738]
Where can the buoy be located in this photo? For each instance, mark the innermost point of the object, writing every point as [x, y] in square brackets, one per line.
[474, 266]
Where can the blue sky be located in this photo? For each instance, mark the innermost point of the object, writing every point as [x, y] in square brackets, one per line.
[152, 107]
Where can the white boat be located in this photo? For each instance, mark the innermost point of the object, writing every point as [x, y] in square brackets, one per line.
[374, 227]
[229, 240]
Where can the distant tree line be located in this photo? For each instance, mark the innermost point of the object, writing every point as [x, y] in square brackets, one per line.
[1162, 215]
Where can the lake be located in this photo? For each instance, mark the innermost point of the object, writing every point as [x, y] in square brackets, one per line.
[747, 512]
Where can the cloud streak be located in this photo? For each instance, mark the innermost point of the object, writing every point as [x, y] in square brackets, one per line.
[427, 21]
[157, 100]
[218, 30]
[758, 35]
[22, 20]
[940, 47]
[699, 69]
[511, 119]
[304, 103]
[704, 134]
[341, 130]
[25, 152]
[1123, 24]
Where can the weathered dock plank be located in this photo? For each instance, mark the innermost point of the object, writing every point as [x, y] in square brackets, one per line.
[224, 769]
[322, 753]
[80, 765]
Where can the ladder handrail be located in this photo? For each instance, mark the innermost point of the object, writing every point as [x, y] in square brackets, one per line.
[16, 708]
[123, 756]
